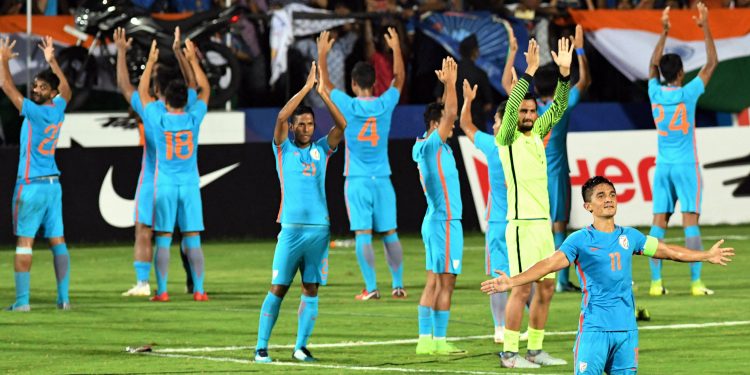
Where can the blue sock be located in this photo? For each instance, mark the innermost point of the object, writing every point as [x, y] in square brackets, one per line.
[366, 260]
[192, 247]
[563, 277]
[306, 316]
[693, 242]
[268, 314]
[425, 320]
[23, 283]
[61, 260]
[658, 233]
[440, 318]
[394, 255]
[142, 271]
[161, 262]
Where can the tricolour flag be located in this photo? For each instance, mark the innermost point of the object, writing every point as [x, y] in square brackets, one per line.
[627, 40]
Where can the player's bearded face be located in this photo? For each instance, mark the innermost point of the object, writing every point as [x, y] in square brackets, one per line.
[303, 128]
[42, 92]
[527, 115]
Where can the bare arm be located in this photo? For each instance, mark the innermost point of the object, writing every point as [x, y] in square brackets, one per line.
[507, 80]
[450, 106]
[467, 122]
[281, 131]
[716, 255]
[123, 77]
[584, 76]
[144, 85]
[653, 71]
[399, 73]
[369, 42]
[200, 77]
[552, 263]
[712, 59]
[6, 80]
[185, 68]
[48, 47]
[325, 43]
[336, 134]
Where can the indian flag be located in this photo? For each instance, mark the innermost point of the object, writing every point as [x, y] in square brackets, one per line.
[627, 40]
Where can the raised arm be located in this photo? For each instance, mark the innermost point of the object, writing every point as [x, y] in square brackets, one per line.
[281, 131]
[48, 47]
[200, 77]
[653, 71]
[144, 85]
[123, 77]
[448, 76]
[325, 43]
[509, 128]
[712, 59]
[584, 75]
[336, 134]
[6, 80]
[185, 68]
[552, 263]
[716, 255]
[467, 122]
[508, 71]
[563, 58]
[399, 73]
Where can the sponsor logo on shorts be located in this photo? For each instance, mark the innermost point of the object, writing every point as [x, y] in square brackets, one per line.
[456, 263]
[623, 241]
[582, 366]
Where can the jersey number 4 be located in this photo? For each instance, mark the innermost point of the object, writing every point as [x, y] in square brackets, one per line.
[180, 144]
[373, 137]
[679, 119]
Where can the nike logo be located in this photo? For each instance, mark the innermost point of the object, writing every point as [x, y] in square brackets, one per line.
[594, 248]
[118, 211]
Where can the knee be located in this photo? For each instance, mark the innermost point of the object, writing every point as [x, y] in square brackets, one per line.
[310, 290]
[279, 290]
[54, 241]
[520, 294]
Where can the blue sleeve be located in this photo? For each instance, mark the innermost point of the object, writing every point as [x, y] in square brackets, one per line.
[653, 87]
[323, 144]
[192, 97]
[638, 238]
[571, 245]
[198, 111]
[60, 103]
[29, 108]
[136, 104]
[342, 101]
[694, 89]
[390, 98]
[153, 112]
[574, 96]
[485, 142]
[282, 147]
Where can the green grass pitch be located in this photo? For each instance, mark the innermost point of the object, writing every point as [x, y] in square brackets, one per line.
[92, 337]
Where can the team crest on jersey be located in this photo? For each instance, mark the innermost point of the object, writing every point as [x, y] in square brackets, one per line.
[315, 154]
[582, 366]
[624, 242]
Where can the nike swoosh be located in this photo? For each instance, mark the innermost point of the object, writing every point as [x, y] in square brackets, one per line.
[118, 211]
[594, 248]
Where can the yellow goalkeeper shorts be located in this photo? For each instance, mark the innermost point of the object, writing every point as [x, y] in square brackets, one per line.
[529, 241]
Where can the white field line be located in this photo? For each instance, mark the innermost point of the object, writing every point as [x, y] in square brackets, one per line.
[414, 341]
[335, 367]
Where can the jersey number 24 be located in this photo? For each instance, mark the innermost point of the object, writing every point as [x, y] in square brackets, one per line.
[679, 119]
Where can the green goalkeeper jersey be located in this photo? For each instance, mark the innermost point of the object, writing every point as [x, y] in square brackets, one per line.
[523, 157]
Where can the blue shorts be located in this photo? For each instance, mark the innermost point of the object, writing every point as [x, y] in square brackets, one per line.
[178, 203]
[615, 353]
[303, 248]
[677, 182]
[495, 249]
[444, 245]
[559, 196]
[370, 203]
[144, 200]
[38, 203]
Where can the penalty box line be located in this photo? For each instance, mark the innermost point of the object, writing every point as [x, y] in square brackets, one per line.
[347, 344]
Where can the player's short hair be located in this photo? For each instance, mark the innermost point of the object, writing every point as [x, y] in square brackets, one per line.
[670, 66]
[588, 187]
[545, 80]
[301, 110]
[501, 107]
[176, 94]
[530, 96]
[48, 76]
[165, 75]
[468, 46]
[432, 112]
[364, 74]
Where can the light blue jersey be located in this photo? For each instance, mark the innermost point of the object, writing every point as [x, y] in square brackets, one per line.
[673, 108]
[368, 125]
[39, 134]
[497, 205]
[302, 175]
[437, 168]
[556, 141]
[604, 262]
[176, 138]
